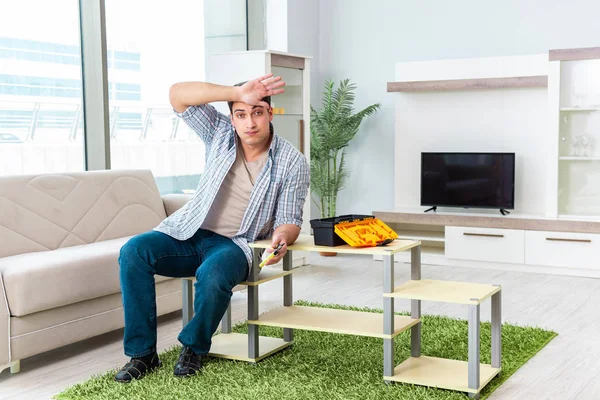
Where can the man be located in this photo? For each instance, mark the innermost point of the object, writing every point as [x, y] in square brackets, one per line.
[254, 187]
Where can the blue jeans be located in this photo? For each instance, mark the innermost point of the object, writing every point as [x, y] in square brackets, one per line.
[218, 265]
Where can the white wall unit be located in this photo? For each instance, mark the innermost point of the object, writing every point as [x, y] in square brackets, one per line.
[518, 242]
[485, 244]
[461, 105]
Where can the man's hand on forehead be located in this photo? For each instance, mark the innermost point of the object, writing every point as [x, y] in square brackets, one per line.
[253, 92]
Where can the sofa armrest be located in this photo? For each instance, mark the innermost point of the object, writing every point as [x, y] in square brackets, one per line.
[4, 327]
[174, 202]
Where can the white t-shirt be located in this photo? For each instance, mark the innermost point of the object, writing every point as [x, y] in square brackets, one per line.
[228, 209]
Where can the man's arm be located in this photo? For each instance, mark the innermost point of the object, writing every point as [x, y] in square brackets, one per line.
[185, 94]
[288, 219]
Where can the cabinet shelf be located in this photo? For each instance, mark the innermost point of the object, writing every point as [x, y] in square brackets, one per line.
[575, 158]
[288, 115]
[579, 109]
[444, 291]
[335, 321]
[265, 275]
[441, 373]
[234, 346]
[431, 236]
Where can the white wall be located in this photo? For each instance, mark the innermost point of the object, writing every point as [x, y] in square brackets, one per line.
[363, 41]
[303, 38]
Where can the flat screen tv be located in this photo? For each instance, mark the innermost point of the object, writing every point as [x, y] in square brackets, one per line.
[477, 180]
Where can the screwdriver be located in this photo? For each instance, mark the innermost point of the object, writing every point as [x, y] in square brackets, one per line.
[273, 254]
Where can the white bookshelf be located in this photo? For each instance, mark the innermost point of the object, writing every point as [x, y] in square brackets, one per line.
[573, 159]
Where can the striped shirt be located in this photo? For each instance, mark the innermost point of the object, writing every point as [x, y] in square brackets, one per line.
[278, 195]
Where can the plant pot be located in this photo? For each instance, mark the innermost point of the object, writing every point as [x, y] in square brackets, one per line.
[327, 253]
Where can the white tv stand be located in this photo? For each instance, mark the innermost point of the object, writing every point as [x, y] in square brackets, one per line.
[522, 242]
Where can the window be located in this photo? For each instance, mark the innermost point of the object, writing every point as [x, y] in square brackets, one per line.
[40, 88]
[150, 47]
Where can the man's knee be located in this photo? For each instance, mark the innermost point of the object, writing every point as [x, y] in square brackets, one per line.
[214, 280]
[133, 252]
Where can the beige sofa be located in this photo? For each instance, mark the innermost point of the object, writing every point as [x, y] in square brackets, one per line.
[60, 237]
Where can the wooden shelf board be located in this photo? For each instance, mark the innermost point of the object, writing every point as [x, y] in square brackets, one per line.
[425, 250]
[441, 373]
[585, 53]
[234, 346]
[469, 84]
[307, 243]
[444, 291]
[266, 274]
[287, 61]
[578, 109]
[512, 221]
[432, 236]
[335, 321]
[433, 251]
[579, 158]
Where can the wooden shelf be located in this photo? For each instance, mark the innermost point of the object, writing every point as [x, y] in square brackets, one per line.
[469, 84]
[234, 346]
[441, 373]
[266, 274]
[578, 109]
[444, 291]
[307, 243]
[416, 216]
[433, 251]
[431, 236]
[575, 158]
[335, 321]
[585, 53]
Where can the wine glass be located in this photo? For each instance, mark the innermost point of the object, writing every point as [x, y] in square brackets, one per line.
[584, 141]
[575, 145]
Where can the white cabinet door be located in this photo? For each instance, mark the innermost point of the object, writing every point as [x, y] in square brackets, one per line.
[562, 249]
[485, 244]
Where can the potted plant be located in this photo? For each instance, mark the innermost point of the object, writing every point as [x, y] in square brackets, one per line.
[331, 129]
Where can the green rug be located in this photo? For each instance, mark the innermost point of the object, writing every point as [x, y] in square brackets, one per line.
[322, 366]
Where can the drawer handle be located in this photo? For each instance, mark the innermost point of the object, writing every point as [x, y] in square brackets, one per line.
[570, 240]
[483, 234]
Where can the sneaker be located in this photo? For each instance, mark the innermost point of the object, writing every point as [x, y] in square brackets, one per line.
[136, 368]
[188, 364]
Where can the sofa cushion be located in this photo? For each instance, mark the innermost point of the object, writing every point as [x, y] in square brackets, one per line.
[47, 212]
[48, 279]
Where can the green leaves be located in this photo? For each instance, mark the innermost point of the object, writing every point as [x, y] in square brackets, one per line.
[331, 129]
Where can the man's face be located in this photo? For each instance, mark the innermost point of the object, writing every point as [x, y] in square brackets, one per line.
[251, 123]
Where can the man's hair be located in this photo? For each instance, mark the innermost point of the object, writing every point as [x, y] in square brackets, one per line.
[266, 99]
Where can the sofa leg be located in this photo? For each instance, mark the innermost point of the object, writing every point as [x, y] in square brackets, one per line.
[15, 367]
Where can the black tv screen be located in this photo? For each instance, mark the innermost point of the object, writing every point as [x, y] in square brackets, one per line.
[478, 180]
